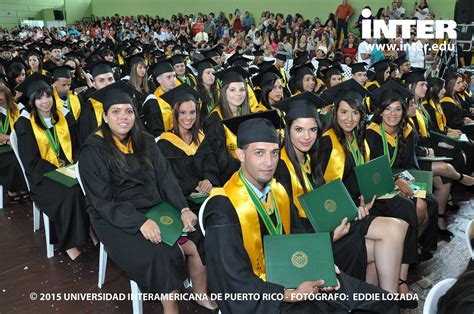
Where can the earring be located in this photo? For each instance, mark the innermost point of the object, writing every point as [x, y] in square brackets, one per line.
[106, 121]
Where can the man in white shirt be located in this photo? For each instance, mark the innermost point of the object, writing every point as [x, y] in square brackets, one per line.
[251, 32]
[201, 36]
[364, 51]
[419, 54]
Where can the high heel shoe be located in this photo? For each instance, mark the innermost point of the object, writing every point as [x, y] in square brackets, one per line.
[444, 233]
[406, 304]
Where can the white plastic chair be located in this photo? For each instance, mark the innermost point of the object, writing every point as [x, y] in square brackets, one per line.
[1, 196]
[469, 234]
[431, 302]
[36, 211]
[137, 304]
[200, 216]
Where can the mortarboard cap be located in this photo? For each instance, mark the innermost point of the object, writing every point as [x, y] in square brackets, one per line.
[302, 58]
[303, 105]
[177, 59]
[266, 74]
[255, 127]
[183, 92]
[136, 58]
[231, 75]
[381, 65]
[400, 61]
[160, 67]
[358, 67]
[119, 92]
[335, 69]
[99, 67]
[390, 90]
[33, 83]
[415, 75]
[301, 70]
[61, 71]
[347, 90]
[201, 65]
[281, 56]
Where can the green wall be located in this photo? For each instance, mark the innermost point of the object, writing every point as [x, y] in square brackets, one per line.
[12, 11]
[308, 8]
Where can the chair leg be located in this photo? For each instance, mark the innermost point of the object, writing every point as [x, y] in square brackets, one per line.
[49, 247]
[36, 217]
[1, 196]
[102, 265]
[136, 301]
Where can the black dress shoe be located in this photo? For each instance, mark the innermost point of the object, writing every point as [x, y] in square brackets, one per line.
[408, 304]
[425, 256]
[445, 233]
[82, 258]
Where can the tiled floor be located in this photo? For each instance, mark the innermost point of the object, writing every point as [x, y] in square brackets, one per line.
[24, 269]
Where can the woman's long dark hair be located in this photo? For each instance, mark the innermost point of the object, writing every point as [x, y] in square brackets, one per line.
[314, 153]
[196, 125]
[13, 72]
[435, 85]
[380, 76]
[140, 151]
[48, 92]
[377, 118]
[203, 91]
[360, 130]
[266, 89]
[450, 88]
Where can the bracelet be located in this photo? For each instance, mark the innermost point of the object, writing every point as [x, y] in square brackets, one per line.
[185, 210]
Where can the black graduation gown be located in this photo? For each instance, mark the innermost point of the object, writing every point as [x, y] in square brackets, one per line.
[406, 159]
[397, 207]
[454, 115]
[230, 271]
[189, 170]
[215, 133]
[152, 117]
[117, 202]
[87, 121]
[350, 253]
[11, 176]
[64, 206]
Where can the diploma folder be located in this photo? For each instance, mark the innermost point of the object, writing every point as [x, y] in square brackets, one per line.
[375, 178]
[63, 175]
[295, 258]
[421, 176]
[454, 142]
[5, 149]
[327, 205]
[168, 219]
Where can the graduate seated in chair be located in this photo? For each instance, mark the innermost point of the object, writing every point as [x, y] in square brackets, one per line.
[124, 175]
[47, 140]
[250, 205]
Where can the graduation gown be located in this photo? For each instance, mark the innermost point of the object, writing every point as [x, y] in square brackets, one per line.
[90, 118]
[117, 201]
[64, 206]
[230, 265]
[11, 175]
[406, 159]
[190, 163]
[223, 143]
[156, 113]
[350, 253]
[338, 164]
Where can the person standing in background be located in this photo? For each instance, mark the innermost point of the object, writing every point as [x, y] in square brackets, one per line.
[343, 12]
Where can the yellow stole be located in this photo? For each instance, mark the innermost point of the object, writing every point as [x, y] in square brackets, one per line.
[252, 99]
[230, 138]
[166, 109]
[440, 116]
[450, 100]
[337, 159]
[235, 190]
[260, 107]
[283, 77]
[44, 147]
[375, 127]
[73, 102]
[13, 116]
[368, 84]
[296, 187]
[120, 59]
[421, 123]
[126, 149]
[188, 149]
[98, 110]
